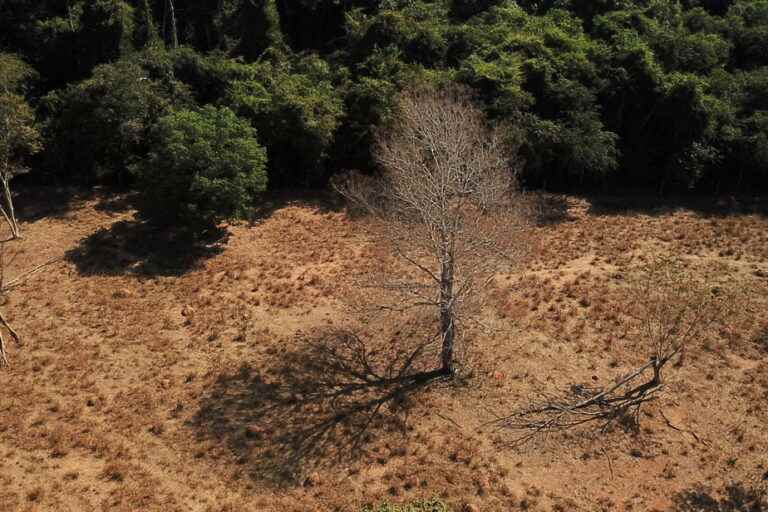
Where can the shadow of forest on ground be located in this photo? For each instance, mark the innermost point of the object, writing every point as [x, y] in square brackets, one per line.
[133, 246]
[653, 205]
[138, 246]
[736, 497]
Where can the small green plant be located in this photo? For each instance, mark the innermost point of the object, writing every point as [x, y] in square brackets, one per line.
[431, 505]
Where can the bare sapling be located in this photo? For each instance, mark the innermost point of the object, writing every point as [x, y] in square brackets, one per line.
[6, 285]
[672, 311]
[446, 205]
[3, 322]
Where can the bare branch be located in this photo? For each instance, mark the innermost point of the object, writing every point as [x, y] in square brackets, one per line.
[7, 286]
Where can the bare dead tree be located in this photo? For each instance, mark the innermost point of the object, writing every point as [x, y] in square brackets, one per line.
[671, 312]
[446, 204]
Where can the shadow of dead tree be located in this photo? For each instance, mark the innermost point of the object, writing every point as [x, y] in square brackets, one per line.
[136, 247]
[736, 497]
[760, 339]
[321, 404]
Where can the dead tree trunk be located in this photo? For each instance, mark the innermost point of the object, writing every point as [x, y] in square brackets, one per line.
[170, 15]
[447, 320]
[5, 287]
[672, 310]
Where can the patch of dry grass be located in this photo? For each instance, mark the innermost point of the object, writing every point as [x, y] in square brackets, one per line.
[99, 408]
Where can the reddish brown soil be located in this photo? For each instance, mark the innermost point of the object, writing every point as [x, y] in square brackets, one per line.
[157, 378]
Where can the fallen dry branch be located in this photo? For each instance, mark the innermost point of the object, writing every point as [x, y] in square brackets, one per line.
[673, 312]
[21, 278]
[585, 405]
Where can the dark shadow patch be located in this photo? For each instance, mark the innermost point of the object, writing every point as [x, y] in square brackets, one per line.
[734, 498]
[548, 209]
[116, 203]
[35, 203]
[137, 247]
[322, 201]
[322, 403]
[761, 339]
[647, 204]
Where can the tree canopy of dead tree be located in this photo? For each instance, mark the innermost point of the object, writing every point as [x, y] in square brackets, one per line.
[447, 204]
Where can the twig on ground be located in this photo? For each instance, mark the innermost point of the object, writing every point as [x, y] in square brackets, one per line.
[685, 431]
[605, 406]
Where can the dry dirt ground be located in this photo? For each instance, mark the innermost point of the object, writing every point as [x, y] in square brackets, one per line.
[158, 377]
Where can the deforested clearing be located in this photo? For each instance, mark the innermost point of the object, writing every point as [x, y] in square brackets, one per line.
[152, 377]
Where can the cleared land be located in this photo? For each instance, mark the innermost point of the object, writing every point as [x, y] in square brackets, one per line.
[156, 377]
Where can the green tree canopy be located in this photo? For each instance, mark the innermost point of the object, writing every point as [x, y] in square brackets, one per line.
[98, 127]
[296, 109]
[203, 166]
[608, 93]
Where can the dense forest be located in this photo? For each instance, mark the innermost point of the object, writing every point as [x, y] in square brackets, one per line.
[384, 255]
[659, 94]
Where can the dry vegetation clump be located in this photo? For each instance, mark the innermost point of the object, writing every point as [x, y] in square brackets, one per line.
[129, 393]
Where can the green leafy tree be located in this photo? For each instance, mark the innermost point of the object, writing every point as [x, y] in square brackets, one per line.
[98, 127]
[542, 71]
[748, 25]
[417, 30]
[369, 93]
[18, 136]
[207, 76]
[45, 34]
[15, 74]
[464, 9]
[656, 93]
[319, 25]
[106, 32]
[296, 109]
[368, 103]
[146, 33]
[203, 166]
[245, 27]
[744, 140]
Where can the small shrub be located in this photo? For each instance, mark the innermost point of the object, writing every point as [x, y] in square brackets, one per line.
[431, 505]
